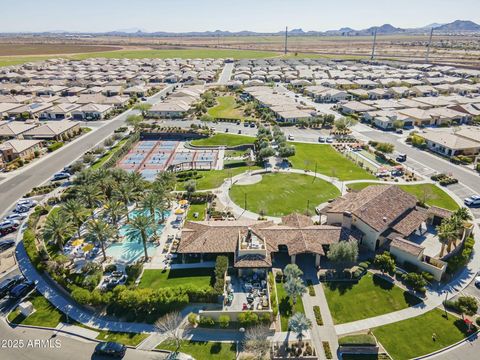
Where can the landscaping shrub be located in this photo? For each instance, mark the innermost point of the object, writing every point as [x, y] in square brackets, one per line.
[318, 315]
[224, 321]
[273, 295]
[327, 350]
[220, 269]
[311, 289]
[460, 259]
[206, 321]
[416, 281]
[248, 318]
[110, 268]
[463, 305]
[133, 272]
[357, 340]
[364, 265]
[192, 319]
[55, 146]
[427, 276]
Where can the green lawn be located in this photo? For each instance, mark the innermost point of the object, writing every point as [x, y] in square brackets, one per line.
[224, 140]
[45, 313]
[280, 194]
[199, 208]
[130, 339]
[413, 337]
[372, 296]
[203, 350]
[285, 306]
[212, 179]
[159, 279]
[226, 108]
[96, 165]
[328, 162]
[434, 195]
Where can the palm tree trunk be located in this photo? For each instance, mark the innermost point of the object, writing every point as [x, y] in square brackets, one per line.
[144, 240]
[102, 244]
[442, 250]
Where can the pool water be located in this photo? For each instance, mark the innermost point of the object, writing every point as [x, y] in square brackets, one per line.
[131, 248]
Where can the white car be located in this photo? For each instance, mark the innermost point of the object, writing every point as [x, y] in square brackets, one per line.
[27, 203]
[477, 282]
[8, 224]
[290, 137]
[472, 201]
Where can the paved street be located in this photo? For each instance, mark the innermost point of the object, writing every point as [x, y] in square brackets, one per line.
[468, 350]
[226, 74]
[59, 347]
[15, 187]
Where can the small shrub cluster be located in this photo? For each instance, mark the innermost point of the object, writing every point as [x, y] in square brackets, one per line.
[273, 295]
[318, 315]
[41, 190]
[206, 321]
[55, 146]
[461, 159]
[461, 259]
[415, 280]
[311, 289]
[463, 305]
[249, 318]
[357, 340]
[327, 350]
[444, 179]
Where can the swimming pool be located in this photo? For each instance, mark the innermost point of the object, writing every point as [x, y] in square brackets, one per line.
[131, 248]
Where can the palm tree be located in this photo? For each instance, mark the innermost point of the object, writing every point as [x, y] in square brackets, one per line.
[126, 194]
[150, 203]
[459, 218]
[115, 210]
[135, 121]
[299, 323]
[136, 180]
[105, 182]
[292, 271]
[446, 234]
[294, 287]
[166, 179]
[90, 194]
[101, 231]
[141, 226]
[56, 228]
[75, 213]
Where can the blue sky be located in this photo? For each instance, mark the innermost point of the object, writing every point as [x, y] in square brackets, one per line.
[201, 15]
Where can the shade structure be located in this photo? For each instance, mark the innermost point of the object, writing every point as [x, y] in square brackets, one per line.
[183, 202]
[179, 211]
[88, 247]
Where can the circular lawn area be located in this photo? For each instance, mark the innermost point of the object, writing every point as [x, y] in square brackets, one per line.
[281, 194]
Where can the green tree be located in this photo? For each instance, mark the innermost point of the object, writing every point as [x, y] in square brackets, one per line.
[190, 187]
[385, 147]
[126, 194]
[101, 231]
[292, 271]
[56, 228]
[467, 305]
[143, 108]
[134, 121]
[343, 252]
[294, 287]
[447, 234]
[114, 209]
[90, 195]
[385, 263]
[299, 323]
[140, 227]
[286, 151]
[344, 123]
[75, 213]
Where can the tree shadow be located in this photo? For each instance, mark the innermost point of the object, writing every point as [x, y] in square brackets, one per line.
[216, 348]
[410, 299]
[382, 283]
[285, 307]
[342, 287]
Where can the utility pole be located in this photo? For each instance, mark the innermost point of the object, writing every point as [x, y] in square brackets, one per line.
[374, 44]
[286, 39]
[429, 45]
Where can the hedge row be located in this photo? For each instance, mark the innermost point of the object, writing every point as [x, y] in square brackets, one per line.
[120, 152]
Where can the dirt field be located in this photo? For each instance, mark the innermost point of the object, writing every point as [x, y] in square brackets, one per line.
[455, 50]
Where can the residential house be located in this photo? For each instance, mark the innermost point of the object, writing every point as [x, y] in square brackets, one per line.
[59, 111]
[15, 129]
[24, 149]
[91, 112]
[54, 130]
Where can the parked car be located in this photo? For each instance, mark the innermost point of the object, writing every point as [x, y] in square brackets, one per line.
[27, 202]
[21, 290]
[246, 124]
[16, 216]
[239, 131]
[144, 98]
[8, 226]
[329, 140]
[60, 176]
[399, 131]
[226, 130]
[8, 284]
[477, 282]
[472, 201]
[6, 244]
[291, 137]
[238, 122]
[110, 348]
[252, 125]
[21, 209]
[321, 139]
[401, 157]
